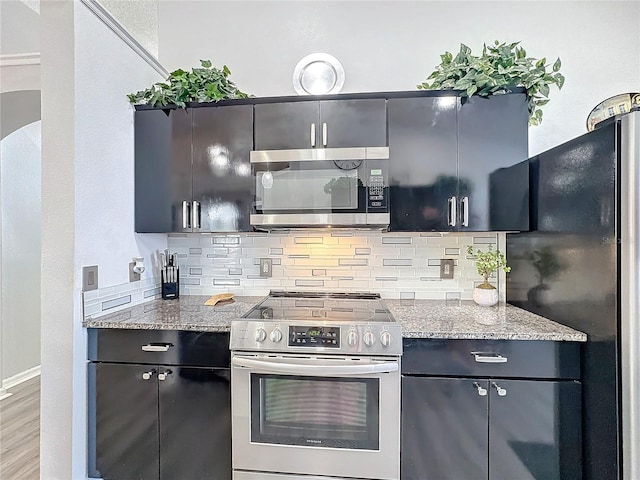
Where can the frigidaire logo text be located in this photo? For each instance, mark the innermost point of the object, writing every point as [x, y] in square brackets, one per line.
[310, 440]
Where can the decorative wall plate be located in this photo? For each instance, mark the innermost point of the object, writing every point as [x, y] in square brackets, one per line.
[318, 74]
[612, 106]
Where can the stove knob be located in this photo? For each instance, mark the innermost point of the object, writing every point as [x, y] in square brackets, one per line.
[352, 338]
[276, 335]
[261, 335]
[385, 339]
[369, 339]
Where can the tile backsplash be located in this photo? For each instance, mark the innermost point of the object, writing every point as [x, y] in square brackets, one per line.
[394, 265]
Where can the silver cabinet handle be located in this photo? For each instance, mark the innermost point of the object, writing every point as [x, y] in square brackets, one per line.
[324, 134]
[481, 390]
[452, 212]
[483, 357]
[185, 214]
[163, 376]
[148, 375]
[313, 134]
[501, 391]
[150, 347]
[195, 213]
[464, 206]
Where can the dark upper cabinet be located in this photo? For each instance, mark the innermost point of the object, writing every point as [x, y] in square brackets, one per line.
[423, 170]
[492, 135]
[446, 159]
[192, 171]
[320, 124]
[222, 187]
[162, 169]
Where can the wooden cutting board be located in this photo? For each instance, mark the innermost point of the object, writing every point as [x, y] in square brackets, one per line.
[221, 297]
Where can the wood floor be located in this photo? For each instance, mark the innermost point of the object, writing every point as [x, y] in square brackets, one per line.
[20, 432]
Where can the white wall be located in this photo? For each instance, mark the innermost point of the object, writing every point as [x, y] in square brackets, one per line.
[87, 206]
[393, 45]
[20, 190]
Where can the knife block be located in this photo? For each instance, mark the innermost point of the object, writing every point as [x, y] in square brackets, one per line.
[170, 282]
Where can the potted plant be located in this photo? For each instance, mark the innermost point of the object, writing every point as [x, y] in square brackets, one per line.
[500, 68]
[487, 263]
[204, 84]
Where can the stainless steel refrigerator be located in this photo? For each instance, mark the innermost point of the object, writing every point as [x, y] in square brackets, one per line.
[580, 265]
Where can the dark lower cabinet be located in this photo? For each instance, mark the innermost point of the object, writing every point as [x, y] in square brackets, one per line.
[195, 424]
[159, 421]
[126, 422]
[496, 429]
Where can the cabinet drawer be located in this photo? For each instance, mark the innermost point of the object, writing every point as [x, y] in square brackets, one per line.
[491, 358]
[167, 347]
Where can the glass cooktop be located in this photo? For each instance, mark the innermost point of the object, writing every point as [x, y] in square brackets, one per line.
[320, 306]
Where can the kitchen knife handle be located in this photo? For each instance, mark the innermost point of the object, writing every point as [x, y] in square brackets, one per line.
[196, 215]
[464, 206]
[452, 212]
[324, 134]
[186, 217]
[313, 135]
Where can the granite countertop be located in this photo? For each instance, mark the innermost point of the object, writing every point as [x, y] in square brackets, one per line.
[419, 319]
[466, 320]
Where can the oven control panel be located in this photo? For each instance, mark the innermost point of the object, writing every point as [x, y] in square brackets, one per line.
[303, 336]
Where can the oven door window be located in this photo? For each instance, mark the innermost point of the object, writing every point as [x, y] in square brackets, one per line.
[315, 411]
[311, 186]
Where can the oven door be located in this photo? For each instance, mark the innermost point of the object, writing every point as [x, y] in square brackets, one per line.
[320, 187]
[335, 416]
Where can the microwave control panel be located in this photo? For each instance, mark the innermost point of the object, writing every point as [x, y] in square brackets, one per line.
[377, 198]
[303, 336]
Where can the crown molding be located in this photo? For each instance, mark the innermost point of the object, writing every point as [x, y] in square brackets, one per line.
[16, 59]
[116, 27]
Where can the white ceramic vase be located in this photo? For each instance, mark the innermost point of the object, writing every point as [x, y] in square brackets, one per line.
[485, 297]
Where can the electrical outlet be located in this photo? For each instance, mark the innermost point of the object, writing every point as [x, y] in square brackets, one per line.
[265, 267]
[89, 278]
[446, 268]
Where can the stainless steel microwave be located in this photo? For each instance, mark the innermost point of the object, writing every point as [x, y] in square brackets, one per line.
[321, 187]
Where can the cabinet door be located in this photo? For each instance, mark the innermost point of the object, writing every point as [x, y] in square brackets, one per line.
[162, 169]
[444, 429]
[195, 424]
[423, 162]
[492, 134]
[222, 185]
[280, 126]
[125, 415]
[535, 430]
[353, 123]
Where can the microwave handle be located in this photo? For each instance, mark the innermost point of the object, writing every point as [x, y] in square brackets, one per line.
[317, 370]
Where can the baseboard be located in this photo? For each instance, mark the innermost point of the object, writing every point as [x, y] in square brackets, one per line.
[18, 378]
[4, 394]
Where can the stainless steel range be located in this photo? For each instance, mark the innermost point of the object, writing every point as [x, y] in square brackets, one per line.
[315, 386]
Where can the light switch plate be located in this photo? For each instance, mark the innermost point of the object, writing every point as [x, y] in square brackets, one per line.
[89, 278]
[446, 268]
[265, 267]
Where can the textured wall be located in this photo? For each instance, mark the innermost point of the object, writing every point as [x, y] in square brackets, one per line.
[392, 45]
[20, 191]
